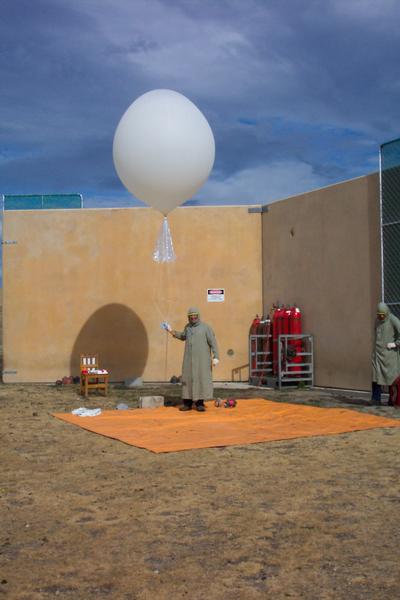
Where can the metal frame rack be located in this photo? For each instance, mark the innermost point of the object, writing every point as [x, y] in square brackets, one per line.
[290, 369]
[260, 359]
[294, 366]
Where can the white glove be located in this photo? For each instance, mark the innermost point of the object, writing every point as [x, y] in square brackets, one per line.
[391, 345]
[215, 361]
[166, 326]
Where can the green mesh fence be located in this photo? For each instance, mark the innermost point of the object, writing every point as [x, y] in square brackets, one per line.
[390, 215]
[40, 201]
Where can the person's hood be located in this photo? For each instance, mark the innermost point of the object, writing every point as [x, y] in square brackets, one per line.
[383, 309]
[193, 310]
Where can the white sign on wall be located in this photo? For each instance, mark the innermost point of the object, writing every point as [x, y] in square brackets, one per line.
[215, 295]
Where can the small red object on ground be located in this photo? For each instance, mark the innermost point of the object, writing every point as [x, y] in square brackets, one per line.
[230, 403]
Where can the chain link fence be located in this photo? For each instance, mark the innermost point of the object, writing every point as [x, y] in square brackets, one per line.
[41, 201]
[390, 223]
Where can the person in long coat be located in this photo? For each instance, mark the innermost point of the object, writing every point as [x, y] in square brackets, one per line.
[201, 352]
[386, 353]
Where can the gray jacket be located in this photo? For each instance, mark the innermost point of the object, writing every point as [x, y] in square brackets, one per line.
[200, 343]
[385, 362]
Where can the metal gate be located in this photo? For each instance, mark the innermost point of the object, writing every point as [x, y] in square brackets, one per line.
[260, 358]
[294, 367]
[390, 224]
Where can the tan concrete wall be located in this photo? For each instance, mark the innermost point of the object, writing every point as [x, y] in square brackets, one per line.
[321, 250]
[84, 280]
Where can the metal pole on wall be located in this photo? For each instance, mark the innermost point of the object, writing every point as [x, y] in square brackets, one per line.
[381, 225]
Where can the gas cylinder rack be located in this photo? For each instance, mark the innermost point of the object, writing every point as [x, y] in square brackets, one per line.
[279, 353]
[295, 360]
[260, 351]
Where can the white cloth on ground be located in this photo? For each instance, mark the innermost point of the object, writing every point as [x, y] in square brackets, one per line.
[86, 412]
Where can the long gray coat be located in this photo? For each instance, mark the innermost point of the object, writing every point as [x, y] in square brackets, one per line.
[200, 342]
[386, 363]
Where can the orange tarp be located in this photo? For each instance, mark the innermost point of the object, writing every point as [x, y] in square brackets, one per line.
[166, 429]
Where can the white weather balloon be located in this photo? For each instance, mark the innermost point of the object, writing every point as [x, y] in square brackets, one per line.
[163, 149]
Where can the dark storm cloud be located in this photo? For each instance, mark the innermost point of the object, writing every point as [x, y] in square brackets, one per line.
[299, 93]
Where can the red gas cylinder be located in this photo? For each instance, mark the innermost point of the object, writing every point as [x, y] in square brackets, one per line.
[287, 314]
[278, 326]
[295, 346]
[284, 329]
[295, 320]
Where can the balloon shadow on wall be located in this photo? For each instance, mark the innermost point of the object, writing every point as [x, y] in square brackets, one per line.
[118, 336]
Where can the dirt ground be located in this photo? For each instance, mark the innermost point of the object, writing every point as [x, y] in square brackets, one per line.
[84, 516]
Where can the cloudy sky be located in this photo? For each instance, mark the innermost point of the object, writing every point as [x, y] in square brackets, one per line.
[299, 93]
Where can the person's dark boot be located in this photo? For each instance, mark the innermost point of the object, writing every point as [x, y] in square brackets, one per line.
[200, 406]
[376, 394]
[187, 405]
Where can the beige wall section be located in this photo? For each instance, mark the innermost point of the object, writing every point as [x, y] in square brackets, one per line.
[84, 280]
[321, 250]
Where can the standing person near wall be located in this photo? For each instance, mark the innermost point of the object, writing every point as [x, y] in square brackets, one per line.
[200, 344]
[386, 354]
